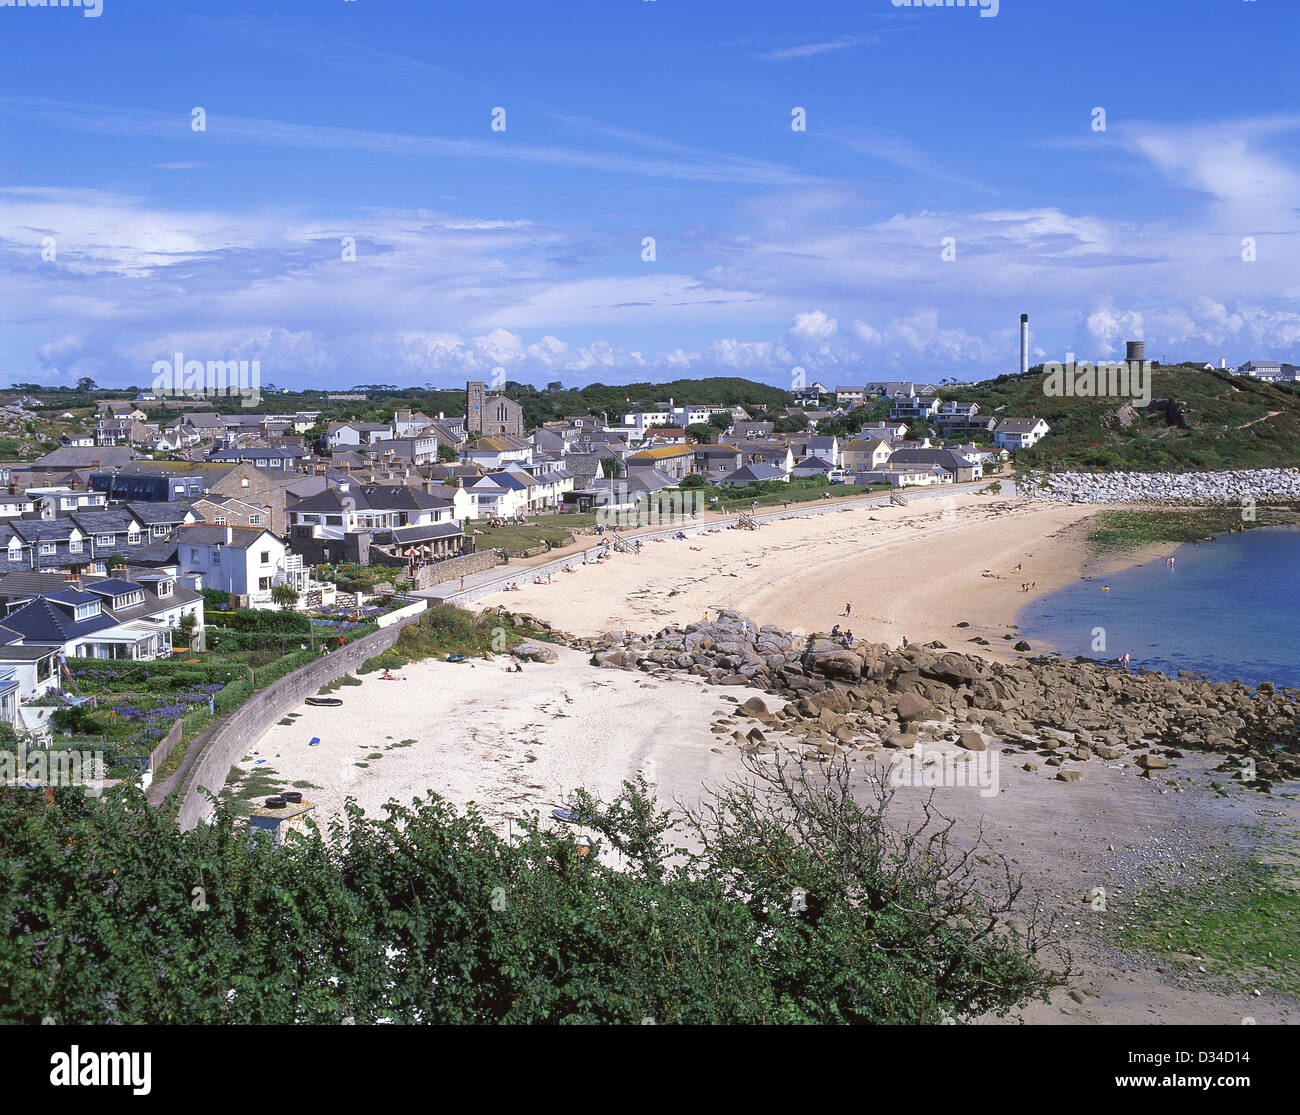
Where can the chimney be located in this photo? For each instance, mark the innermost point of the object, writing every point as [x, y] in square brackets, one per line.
[1024, 343]
[230, 535]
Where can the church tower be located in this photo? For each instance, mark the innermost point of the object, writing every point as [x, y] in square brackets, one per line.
[475, 405]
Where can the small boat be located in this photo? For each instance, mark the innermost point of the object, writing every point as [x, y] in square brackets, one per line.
[570, 816]
[325, 702]
[455, 658]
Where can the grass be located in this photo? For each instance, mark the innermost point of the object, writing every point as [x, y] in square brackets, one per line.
[555, 529]
[446, 629]
[1128, 530]
[338, 683]
[1246, 927]
[244, 787]
[1224, 423]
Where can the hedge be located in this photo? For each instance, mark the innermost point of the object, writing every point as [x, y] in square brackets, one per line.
[255, 619]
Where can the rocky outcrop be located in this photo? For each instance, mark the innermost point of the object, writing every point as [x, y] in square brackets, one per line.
[1263, 485]
[837, 697]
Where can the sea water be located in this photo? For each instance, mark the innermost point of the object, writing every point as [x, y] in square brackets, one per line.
[1229, 609]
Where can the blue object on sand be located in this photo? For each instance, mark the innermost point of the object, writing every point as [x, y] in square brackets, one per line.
[313, 741]
[570, 816]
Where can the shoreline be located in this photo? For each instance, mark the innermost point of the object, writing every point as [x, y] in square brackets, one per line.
[913, 572]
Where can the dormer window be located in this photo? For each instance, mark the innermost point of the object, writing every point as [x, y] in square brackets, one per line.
[88, 611]
[164, 588]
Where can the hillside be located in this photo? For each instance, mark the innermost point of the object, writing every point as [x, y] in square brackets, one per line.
[1197, 419]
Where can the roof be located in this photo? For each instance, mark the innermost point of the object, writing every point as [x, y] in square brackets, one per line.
[154, 554]
[110, 586]
[662, 452]
[160, 513]
[69, 456]
[944, 458]
[14, 585]
[44, 621]
[201, 534]
[426, 532]
[814, 462]
[1017, 425]
[371, 497]
[756, 472]
[499, 443]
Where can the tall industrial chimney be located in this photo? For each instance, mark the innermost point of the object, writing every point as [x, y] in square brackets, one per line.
[1024, 343]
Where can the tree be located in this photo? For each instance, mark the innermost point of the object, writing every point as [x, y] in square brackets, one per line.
[699, 432]
[815, 909]
[446, 453]
[85, 385]
[721, 420]
[284, 595]
[611, 466]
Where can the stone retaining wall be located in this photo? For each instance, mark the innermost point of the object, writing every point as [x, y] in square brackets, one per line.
[1193, 488]
[454, 568]
[231, 740]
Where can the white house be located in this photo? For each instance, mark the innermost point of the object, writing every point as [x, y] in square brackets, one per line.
[248, 561]
[1019, 433]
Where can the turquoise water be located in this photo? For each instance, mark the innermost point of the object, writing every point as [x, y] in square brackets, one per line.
[1229, 609]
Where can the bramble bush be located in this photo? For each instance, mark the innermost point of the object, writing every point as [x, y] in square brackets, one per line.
[800, 906]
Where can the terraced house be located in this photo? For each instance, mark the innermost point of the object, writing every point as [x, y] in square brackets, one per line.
[101, 618]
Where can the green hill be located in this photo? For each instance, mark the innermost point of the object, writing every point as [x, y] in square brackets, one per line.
[1197, 419]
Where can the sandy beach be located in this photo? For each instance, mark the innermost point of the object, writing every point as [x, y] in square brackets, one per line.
[514, 743]
[518, 742]
[912, 572]
[510, 742]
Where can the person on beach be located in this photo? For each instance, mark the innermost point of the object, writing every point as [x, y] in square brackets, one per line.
[848, 638]
[462, 582]
[848, 608]
[835, 631]
[1124, 661]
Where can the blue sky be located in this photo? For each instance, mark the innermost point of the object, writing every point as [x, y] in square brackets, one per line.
[625, 119]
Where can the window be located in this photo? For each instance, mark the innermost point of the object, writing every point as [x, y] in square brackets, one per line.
[48, 548]
[264, 584]
[74, 546]
[86, 611]
[220, 520]
[266, 557]
[133, 536]
[254, 520]
[103, 540]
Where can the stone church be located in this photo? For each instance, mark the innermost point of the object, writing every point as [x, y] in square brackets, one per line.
[491, 414]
